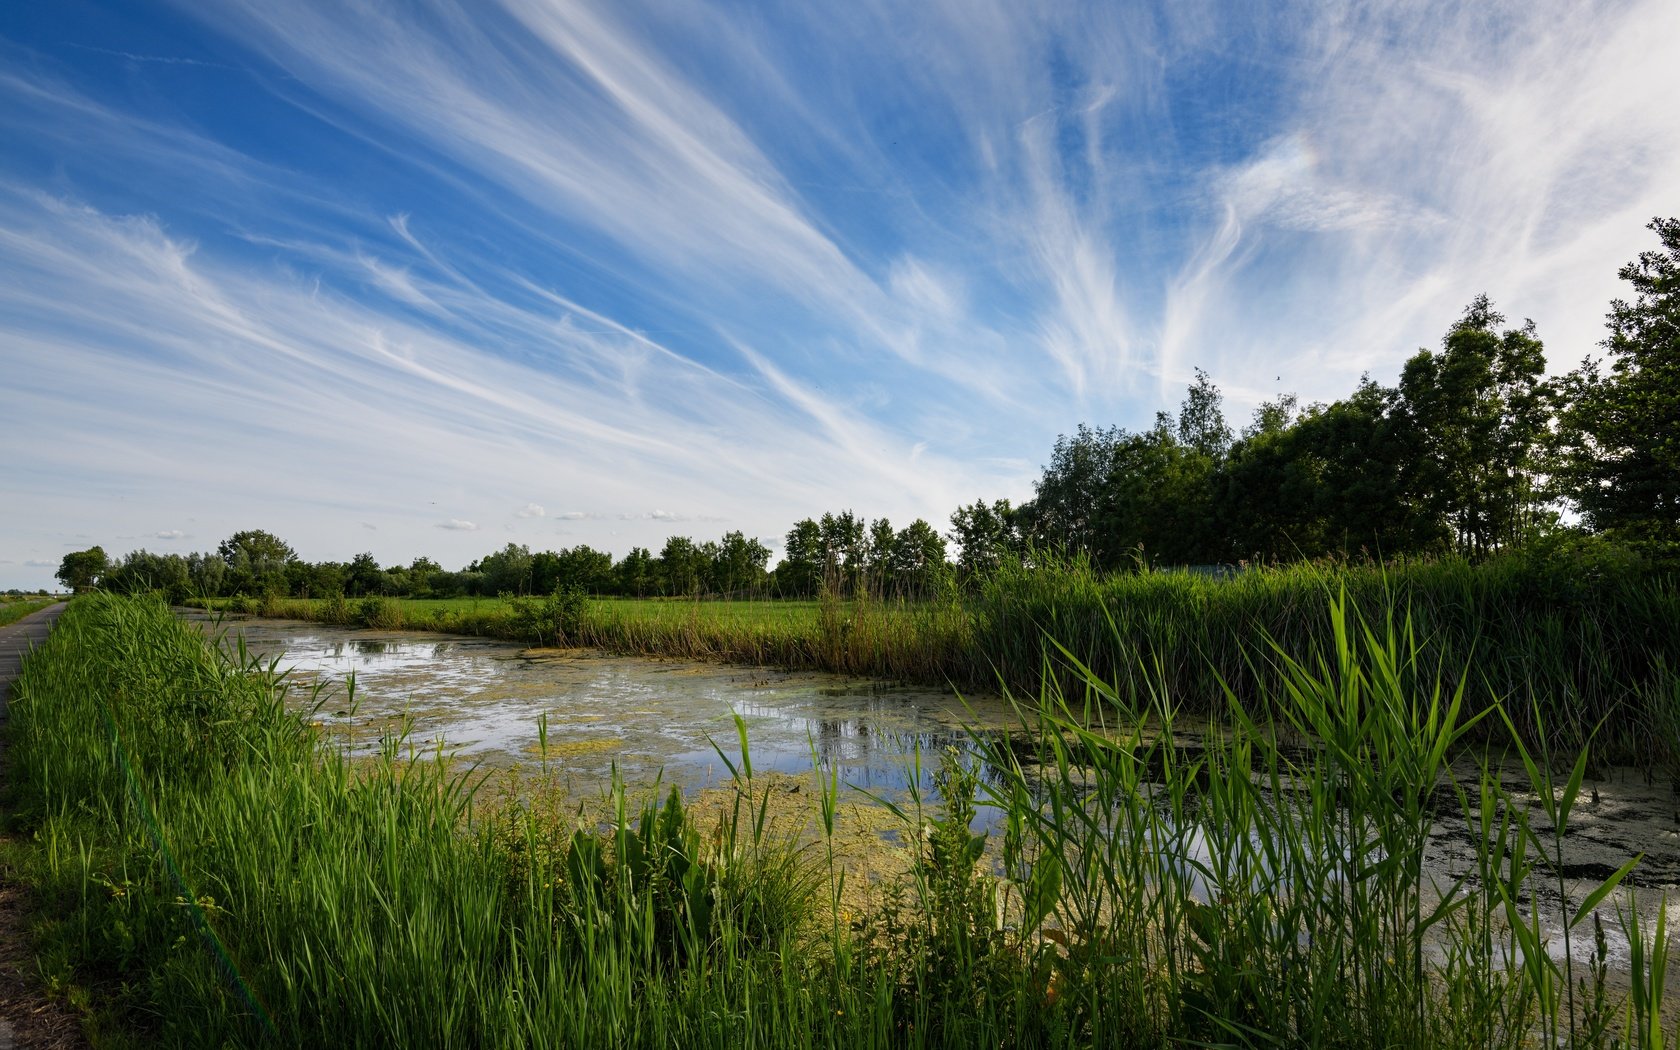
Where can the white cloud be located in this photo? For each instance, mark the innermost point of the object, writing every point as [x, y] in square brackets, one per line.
[530, 510]
[170, 534]
[457, 525]
[1435, 153]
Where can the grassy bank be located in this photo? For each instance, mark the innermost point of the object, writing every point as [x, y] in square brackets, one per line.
[220, 877]
[1590, 641]
[11, 611]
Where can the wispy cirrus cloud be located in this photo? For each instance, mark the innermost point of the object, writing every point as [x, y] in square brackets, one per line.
[347, 261]
[1443, 152]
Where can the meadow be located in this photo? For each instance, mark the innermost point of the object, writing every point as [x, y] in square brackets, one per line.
[208, 872]
[14, 609]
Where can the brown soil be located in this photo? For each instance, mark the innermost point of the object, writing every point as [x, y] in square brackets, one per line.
[29, 1018]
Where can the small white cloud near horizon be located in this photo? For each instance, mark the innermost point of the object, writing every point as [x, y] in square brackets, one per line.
[170, 534]
[531, 510]
[457, 525]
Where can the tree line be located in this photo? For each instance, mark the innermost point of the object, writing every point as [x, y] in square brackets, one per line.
[1472, 452]
[842, 553]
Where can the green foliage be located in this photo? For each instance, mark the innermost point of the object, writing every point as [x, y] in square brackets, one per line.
[800, 572]
[373, 611]
[80, 570]
[555, 620]
[256, 562]
[1620, 453]
[682, 566]
[988, 537]
[143, 571]
[637, 575]
[363, 577]
[738, 564]
[1472, 418]
[507, 571]
[1448, 460]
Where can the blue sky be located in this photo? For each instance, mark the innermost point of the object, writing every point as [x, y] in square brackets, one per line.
[431, 278]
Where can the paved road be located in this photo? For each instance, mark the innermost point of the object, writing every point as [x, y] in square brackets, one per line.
[17, 639]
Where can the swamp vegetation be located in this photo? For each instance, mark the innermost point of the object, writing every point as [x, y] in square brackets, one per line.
[1588, 638]
[216, 874]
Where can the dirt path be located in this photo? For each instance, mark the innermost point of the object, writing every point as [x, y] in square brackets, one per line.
[29, 1020]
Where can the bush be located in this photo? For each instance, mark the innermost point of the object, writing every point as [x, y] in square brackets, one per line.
[382, 613]
[555, 620]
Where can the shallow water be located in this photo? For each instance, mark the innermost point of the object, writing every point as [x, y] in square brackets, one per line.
[483, 700]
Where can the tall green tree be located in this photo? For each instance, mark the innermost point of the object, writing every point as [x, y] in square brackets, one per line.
[207, 574]
[256, 562]
[364, 576]
[1158, 505]
[636, 573]
[507, 571]
[738, 564]
[587, 569]
[800, 572]
[919, 566]
[80, 570]
[1201, 418]
[1329, 481]
[1070, 496]
[987, 536]
[845, 545]
[1476, 416]
[880, 545]
[1620, 430]
[682, 566]
[1115, 496]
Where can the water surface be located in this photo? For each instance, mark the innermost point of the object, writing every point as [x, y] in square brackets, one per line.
[485, 700]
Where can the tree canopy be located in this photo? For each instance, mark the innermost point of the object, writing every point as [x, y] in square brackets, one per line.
[1620, 429]
[80, 570]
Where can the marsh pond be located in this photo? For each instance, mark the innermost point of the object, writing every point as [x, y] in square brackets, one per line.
[580, 715]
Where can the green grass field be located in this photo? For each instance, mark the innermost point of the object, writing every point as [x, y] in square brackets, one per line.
[13, 610]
